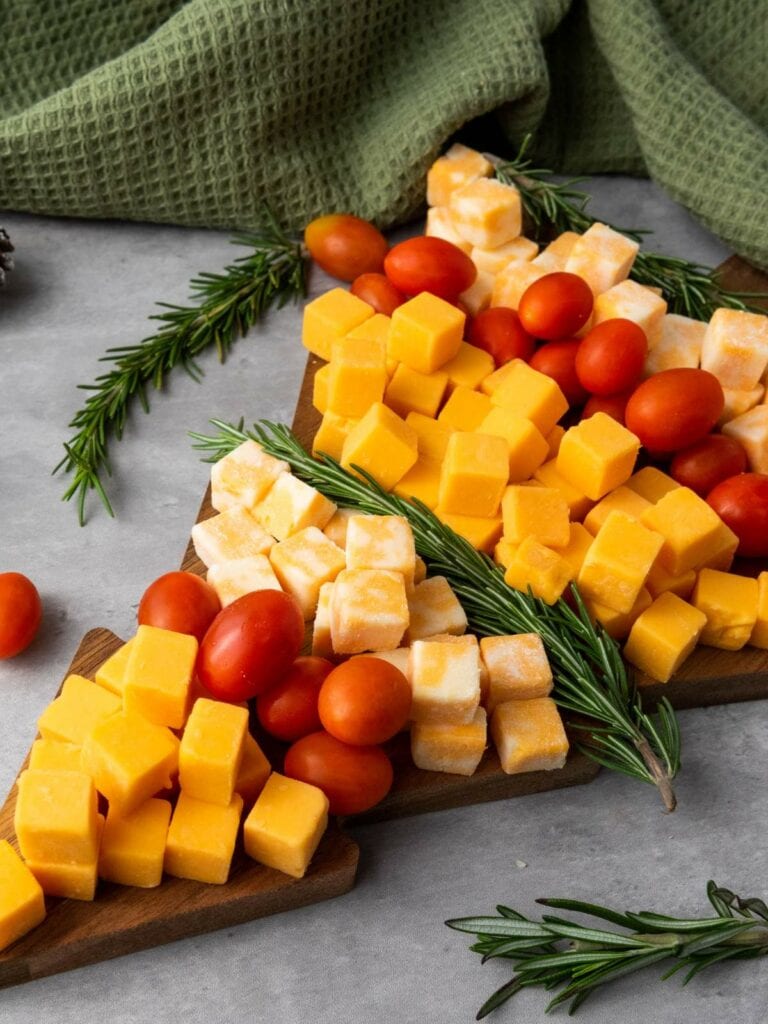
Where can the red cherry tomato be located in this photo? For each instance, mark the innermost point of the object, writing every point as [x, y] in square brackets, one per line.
[499, 332]
[288, 710]
[378, 291]
[612, 405]
[557, 359]
[556, 306]
[742, 503]
[702, 466]
[365, 701]
[612, 356]
[250, 645]
[345, 246]
[428, 264]
[179, 601]
[675, 408]
[20, 613]
[353, 778]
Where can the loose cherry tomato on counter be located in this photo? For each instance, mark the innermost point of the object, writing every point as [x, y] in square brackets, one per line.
[556, 306]
[20, 613]
[288, 710]
[499, 332]
[353, 778]
[345, 246]
[614, 406]
[612, 356]
[378, 291]
[179, 601]
[557, 359]
[250, 645]
[702, 466]
[742, 503]
[428, 264]
[364, 701]
[674, 409]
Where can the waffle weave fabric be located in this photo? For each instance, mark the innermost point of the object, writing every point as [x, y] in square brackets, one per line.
[197, 112]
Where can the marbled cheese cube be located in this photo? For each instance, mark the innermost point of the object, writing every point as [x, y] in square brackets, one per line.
[201, 839]
[232, 580]
[446, 681]
[474, 474]
[434, 608]
[56, 816]
[622, 499]
[330, 316]
[650, 483]
[529, 735]
[532, 395]
[331, 434]
[518, 668]
[751, 431]
[663, 636]
[336, 528]
[538, 568]
[730, 605]
[76, 712]
[486, 212]
[320, 388]
[381, 542]
[286, 824]
[400, 657]
[553, 257]
[369, 611]
[291, 506]
[426, 332]
[618, 561]
[231, 534]
[422, 482]
[22, 906]
[539, 512]
[431, 436]
[322, 644]
[677, 344]
[527, 446]
[735, 348]
[468, 640]
[576, 500]
[629, 300]
[133, 845]
[478, 296]
[597, 455]
[759, 636]
[357, 376]
[419, 570]
[382, 444]
[305, 561]
[739, 402]
[110, 674]
[458, 166]
[689, 527]
[512, 281]
[602, 256]
[465, 409]
[493, 261]
[244, 476]
[410, 391]
[440, 225]
[469, 367]
[618, 624]
[454, 748]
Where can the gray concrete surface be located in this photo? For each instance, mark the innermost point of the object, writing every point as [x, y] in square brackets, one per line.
[380, 954]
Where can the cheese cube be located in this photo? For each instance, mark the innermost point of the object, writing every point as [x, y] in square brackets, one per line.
[575, 551]
[629, 300]
[739, 402]
[480, 531]
[466, 640]
[434, 608]
[286, 825]
[331, 434]
[689, 526]
[431, 436]
[79, 708]
[201, 839]
[411, 391]
[231, 580]
[56, 816]
[133, 846]
[478, 296]
[465, 409]
[527, 447]
[553, 439]
[229, 535]
[602, 256]
[244, 476]
[730, 605]
[494, 380]
[539, 512]
[597, 455]
[751, 431]
[400, 658]
[660, 581]
[368, 611]
[419, 570]
[381, 444]
[554, 256]
[512, 282]
[486, 212]
[254, 771]
[330, 316]
[422, 481]
[650, 483]
[532, 395]
[303, 563]
[211, 750]
[722, 550]
[322, 645]
[493, 261]
[336, 528]
[677, 343]
[458, 166]
[529, 735]
[453, 748]
[110, 674]
[544, 571]
[158, 675]
[56, 756]
[623, 499]
[474, 474]
[735, 348]
[663, 636]
[468, 368]
[440, 225]
[518, 668]
[576, 500]
[320, 388]
[381, 542]
[69, 879]
[357, 376]
[22, 906]
[759, 636]
[446, 681]
[617, 564]
[130, 760]
[618, 624]
[426, 332]
[291, 506]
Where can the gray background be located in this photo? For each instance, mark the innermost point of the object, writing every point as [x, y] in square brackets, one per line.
[381, 953]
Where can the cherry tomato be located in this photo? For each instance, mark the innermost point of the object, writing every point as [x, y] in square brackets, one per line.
[557, 359]
[378, 291]
[702, 466]
[250, 645]
[675, 408]
[353, 778]
[345, 246]
[499, 332]
[612, 356]
[365, 701]
[179, 601]
[428, 264]
[612, 405]
[556, 306]
[742, 503]
[20, 613]
[288, 710]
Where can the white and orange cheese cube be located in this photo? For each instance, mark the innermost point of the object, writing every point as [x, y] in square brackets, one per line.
[305, 561]
[512, 281]
[739, 402]
[229, 535]
[381, 542]
[518, 668]
[458, 166]
[244, 476]
[291, 506]
[751, 431]
[629, 300]
[493, 261]
[735, 348]
[231, 580]
[602, 256]
[478, 296]
[446, 681]
[336, 528]
[450, 747]
[322, 643]
[486, 212]
[554, 257]
[440, 225]
[434, 608]
[368, 611]
[400, 657]
[677, 343]
[529, 735]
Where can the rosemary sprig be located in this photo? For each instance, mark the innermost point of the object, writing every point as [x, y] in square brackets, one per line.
[225, 306]
[590, 676]
[689, 288]
[577, 958]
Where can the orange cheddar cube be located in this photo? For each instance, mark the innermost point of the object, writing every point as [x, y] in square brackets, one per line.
[232, 580]
[579, 543]
[539, 512]
[480, 531]
[735, 348]
[53, 755]
[478, 296]
[56, 816]
[201, 839]
[532, 395]
[576, 500]
[468, 368]
[244, 476]
[539, 568]
[381, 542]
[159, 674]
[382, 444]
[663, 636]
[320, 388]
[660, 581]
[434, 608]
[689, 526]
[597, 455]
[759, 636]
[322, 644]
[211, 750]
[486, 212]
[527, 447]
[410, 391]
[375, 328]
[493, 261]
[254, 771]
[722, 550]
[431, 436]
[422, 481]
[357, 376]
[650, 483]
[553, 439]
[465, 410]
[111, 673]
[504, 552]
[440, 225]
[133, 845]
[629, 300]
[518, 668]
[22, 905]
[554, 256]
[229, 535]
[474, 474]
[618, 561]
[513, 280]
[66, 879]
[78, 709]
[622, 499]
[445, 678]
[426, 333]
[450, 747]
[529, 735]
[730, 605]
[676, 344]
[368, 611]
[291, 506]
[458, 166]
[330, 316]
[303, 563]
[618, 624]
[331, 434]
[286, 824]
[602, 256]
[751, 431]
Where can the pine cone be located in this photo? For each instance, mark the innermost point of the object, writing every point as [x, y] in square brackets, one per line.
[6, 260]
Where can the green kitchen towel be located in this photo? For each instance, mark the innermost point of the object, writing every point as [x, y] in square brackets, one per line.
[197, 112]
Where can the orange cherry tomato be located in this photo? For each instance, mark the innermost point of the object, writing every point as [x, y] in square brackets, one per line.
[353, 778]
[288, 710]
[742, 503]
[612, 356]
[499, 332]
[702, 466]
[378, 291]
[557, 359]
[428, 264]
[345, 246]
[20, 613]
[675, 408]
[180, 601]
[364, 701]
[556, 306]
[614, 406]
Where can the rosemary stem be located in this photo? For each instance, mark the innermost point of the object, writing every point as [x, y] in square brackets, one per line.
[659, 775]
